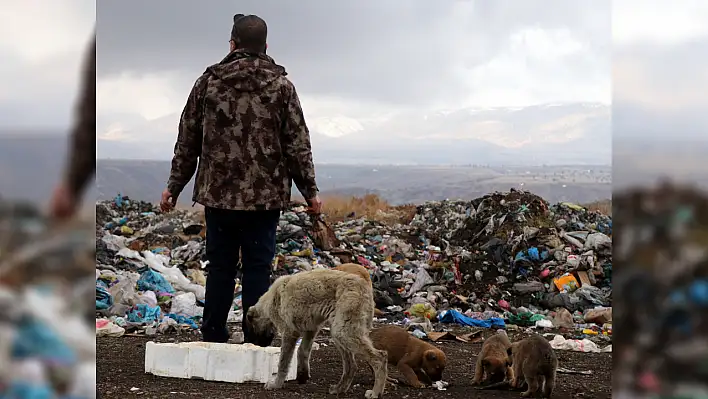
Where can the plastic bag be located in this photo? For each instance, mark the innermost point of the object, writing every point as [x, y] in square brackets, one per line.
[563, 318]
[124, 294]
[173, 274]
[149, 298]
[425, 310]
[106, 328]
[575, 345]
[144, 314]
[104, 300]
[422, 278]
[186, 305]
[599, 315]
[151, 280]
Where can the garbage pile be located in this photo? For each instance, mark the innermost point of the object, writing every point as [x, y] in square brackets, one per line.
[663, 292]
[47, 345]
[503, 260]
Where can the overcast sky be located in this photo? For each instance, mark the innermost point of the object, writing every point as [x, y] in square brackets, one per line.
[360, 59]
[41, 46]
[363, 58]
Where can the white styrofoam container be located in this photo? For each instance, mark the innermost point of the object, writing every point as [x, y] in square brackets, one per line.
[215, 361]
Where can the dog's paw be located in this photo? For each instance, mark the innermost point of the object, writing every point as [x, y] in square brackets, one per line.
[370, 394]
[302, 376]
[273, 385]
[525, 394]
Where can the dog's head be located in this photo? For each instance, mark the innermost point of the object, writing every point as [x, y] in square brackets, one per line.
[434, 362]
[495, 368]
[261, 330]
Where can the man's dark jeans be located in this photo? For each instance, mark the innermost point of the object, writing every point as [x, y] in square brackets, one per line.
[253, 232]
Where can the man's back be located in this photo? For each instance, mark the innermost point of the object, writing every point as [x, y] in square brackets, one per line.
[246, 123]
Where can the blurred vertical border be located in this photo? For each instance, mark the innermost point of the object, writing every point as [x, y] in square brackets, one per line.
[660, 203]
[47, 267]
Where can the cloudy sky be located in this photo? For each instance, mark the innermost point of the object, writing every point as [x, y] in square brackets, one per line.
[41, 46]
[362, 59]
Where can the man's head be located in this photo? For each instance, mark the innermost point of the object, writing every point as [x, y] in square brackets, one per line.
[249, 33]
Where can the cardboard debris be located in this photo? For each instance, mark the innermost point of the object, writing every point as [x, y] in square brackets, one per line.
[448, 336]
[584, 278]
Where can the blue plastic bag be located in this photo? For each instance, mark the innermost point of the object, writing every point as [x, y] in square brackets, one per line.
[151, 280]
[104, 299]
[144, 314]
[453, 316]
[183, 320]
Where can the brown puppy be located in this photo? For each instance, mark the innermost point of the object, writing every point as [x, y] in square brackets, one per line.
[492, 363]
[353, 268]
[533, 360]
[417, 360]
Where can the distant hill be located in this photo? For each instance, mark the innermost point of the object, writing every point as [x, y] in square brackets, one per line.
[145, 180]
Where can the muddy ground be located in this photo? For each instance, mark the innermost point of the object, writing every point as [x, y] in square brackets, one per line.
[120, 374]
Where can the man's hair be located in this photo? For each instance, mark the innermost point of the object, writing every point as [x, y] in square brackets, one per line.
[250, 33]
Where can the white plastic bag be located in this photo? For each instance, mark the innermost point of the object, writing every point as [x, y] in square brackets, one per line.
[575, 345]
[106, 328]
[185, 304]
[172, 274]
[149, 298]
[124, 294]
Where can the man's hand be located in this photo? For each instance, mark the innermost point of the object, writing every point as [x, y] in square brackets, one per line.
[168, 201]
[314, 205]
[63, 203]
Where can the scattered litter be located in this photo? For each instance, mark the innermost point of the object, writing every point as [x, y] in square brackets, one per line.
[563, 370]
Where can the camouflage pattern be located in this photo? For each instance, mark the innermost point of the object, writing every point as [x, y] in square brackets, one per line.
[244, 124]
[82, 159]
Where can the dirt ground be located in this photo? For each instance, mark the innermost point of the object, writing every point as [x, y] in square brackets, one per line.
[120, 374]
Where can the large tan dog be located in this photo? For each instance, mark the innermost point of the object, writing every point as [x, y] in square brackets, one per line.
[353, 268]
[419, 362]
[298, 305]
[492, 363]
[360, 271]
[533, 360]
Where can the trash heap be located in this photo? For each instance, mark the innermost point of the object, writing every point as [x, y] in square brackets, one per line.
[47, 345]
[494, 262]
[149, 268]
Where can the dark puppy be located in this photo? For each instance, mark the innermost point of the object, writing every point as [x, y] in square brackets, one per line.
[492, 363]
[534, 361]
[418, 361]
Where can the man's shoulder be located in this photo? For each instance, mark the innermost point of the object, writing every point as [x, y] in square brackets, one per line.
[284, 84]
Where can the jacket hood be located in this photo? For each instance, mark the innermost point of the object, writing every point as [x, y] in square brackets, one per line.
[247, 71]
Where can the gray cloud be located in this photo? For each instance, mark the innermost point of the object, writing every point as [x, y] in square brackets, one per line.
[398, 52]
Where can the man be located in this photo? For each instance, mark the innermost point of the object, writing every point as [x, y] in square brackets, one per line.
[82, 152]
[244, 123]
